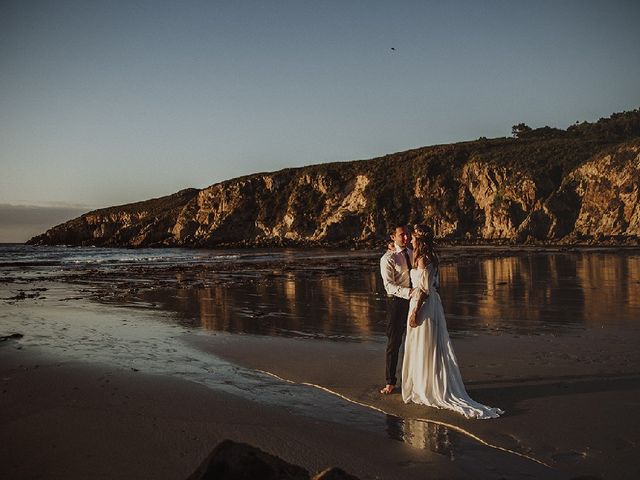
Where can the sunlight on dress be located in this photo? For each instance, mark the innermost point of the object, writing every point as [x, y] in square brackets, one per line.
[430, 373]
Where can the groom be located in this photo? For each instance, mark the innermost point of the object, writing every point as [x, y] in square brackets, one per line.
[395, 265]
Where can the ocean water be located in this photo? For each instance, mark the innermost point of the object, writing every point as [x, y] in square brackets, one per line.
[45, 258]
[338, 294]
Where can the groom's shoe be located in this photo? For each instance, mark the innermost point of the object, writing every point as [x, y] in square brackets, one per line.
[388, 389]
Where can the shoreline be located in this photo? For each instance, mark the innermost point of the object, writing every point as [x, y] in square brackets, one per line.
[546, 399]
[552, 410]
[630, 243]
[101, 390]
[69, 419]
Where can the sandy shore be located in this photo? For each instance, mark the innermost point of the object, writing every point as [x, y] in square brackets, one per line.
[567, 406]
[571, 401]
[71, 420]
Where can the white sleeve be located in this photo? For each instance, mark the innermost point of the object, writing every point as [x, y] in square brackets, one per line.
[387, 271]
[421, 288]
[424, 281]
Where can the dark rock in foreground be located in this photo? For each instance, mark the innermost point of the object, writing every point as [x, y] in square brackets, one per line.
[334, 474]
[239, 461]
[12, 336]
[236, 461]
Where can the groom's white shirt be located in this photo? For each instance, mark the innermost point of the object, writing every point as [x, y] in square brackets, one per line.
[395, 273]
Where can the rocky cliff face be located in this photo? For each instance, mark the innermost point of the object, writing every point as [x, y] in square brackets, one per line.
[596, 201]
[475, 191]
[607, 193]
[147, 223]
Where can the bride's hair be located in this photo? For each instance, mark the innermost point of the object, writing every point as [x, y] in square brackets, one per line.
[425, 244]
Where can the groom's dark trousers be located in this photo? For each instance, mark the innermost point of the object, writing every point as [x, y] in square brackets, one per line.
[397, 311]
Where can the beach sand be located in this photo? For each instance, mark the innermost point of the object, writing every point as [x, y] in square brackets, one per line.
[570, 401]
[73, 420]
[566, 406]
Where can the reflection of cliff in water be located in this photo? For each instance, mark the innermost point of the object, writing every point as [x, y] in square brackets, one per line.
[610, 280]
[522, 294]
[288, 304]
[542, 291]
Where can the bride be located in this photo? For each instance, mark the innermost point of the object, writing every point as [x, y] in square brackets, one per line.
[430, 373]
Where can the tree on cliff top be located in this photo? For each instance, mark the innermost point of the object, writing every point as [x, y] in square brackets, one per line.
[520, 130]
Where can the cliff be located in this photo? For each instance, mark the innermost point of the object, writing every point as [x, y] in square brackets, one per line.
[544, 185]
[136, 224]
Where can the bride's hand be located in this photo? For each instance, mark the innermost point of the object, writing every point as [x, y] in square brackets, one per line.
[412, 320]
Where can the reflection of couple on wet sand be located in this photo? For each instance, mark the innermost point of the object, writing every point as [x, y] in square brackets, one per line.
[430, 373]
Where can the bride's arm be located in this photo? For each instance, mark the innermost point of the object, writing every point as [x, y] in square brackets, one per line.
[420, 293]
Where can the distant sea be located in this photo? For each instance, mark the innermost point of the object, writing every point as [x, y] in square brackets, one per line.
[20, 255]
[45, 258]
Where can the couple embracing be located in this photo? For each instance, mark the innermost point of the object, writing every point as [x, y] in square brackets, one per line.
[430, 373]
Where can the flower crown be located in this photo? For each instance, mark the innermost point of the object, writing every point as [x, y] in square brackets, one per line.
[423, 231]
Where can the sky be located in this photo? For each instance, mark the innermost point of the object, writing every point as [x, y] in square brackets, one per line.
[109, 102]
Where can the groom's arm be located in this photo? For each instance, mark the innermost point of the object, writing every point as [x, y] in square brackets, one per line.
[387, 270]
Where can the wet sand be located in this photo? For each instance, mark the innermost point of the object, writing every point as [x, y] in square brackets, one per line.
[571, 401]
[74, 420]
[575, 411]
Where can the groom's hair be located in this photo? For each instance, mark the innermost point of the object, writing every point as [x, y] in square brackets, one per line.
[395, 226]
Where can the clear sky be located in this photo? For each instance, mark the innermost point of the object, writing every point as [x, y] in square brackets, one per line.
[109, 102]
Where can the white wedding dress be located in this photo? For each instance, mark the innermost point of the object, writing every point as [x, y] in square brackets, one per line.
[430, 373]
